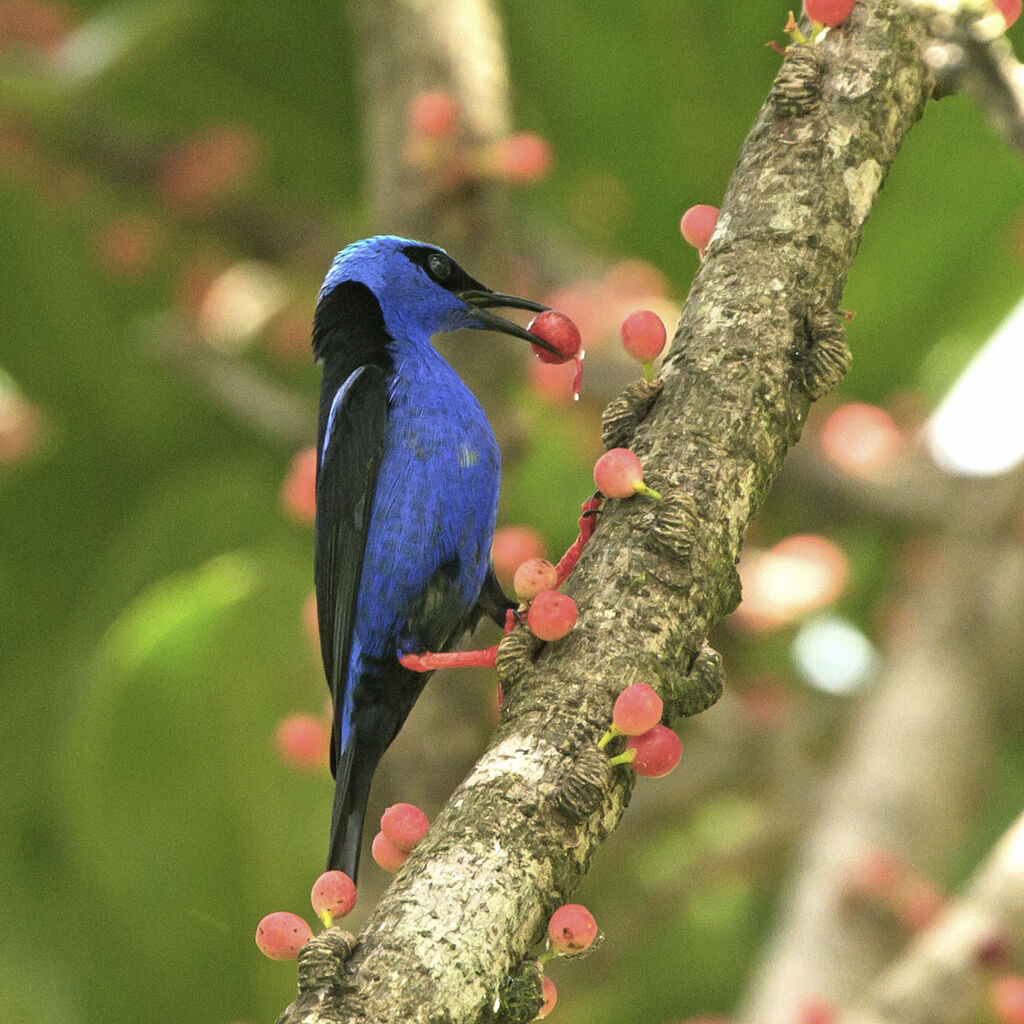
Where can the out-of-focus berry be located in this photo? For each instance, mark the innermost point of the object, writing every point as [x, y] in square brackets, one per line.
[433, 115]
[303, 742]
[298, 490]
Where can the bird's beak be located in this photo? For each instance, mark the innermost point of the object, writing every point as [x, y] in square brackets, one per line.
[481, 300]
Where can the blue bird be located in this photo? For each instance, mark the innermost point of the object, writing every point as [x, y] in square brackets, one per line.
[406, 496]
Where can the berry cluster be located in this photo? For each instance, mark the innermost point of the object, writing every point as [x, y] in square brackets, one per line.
[402, 826]
[281, 935]
[435, 146]
[572, 930]
[652, 749]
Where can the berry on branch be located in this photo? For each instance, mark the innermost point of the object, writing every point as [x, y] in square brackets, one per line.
[551, 615]
[533, 576]
[643, 337]
[620, 474]
[281, 935]
[386, 854]
[653, 753]
[829, 12]
[637, 709]
[572, 929]
[698, 225]
[404, 825]
[333, 896]
[550, 994]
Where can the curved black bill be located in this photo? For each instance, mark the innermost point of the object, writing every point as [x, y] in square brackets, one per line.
[482, 300]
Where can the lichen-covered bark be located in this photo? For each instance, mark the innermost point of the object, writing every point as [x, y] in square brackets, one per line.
[758, 339]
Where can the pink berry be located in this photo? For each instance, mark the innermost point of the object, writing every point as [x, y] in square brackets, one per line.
[303, 742]
[333, 896]
[523, 159]
[637, 710]
[816, 1010]
[829, 12]
[433, 115]
[1008, 999]
[404, 825]
[533, 576]
[550, 994]
[551, 615]
[559, 332]
[298, 490]
[698, 225]
[657, 751]
[281, 935]
[643, 335]
[572, 929]
[386, 854]
[1009, 9]
[620, 474]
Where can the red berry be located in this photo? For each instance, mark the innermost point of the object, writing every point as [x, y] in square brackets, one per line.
[643, 335]
[829, 12]
[298, 490]
[559, 332]
[433, 115]
[523, 159]
[698, 225]
[1009, 9]
[551, 615]
[620, 474]
[533, 576]
[657, 751]
[637, 709]
[386, 854]
[1008, 999]
[513, 545]
[333, 896]
[404, 825]
[572, 929]
[281, 935]
[550, 994]
[303, 742]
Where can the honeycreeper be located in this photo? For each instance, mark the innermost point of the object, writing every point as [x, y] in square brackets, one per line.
[406, 496]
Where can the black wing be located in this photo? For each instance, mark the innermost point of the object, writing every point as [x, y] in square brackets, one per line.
[350, 452]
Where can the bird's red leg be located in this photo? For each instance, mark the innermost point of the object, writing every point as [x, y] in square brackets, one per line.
[587, 522]
[428, 660]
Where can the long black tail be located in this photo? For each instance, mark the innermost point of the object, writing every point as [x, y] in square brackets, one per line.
[353, 775]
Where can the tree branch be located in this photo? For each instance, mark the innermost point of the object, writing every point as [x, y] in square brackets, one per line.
[758, 340]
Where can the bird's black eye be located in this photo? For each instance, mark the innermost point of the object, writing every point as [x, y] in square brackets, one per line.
[439, 266]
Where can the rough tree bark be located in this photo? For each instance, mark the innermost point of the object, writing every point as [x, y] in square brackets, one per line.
[758, 340]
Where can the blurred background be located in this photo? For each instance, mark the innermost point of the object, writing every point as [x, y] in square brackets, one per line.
[174, 181]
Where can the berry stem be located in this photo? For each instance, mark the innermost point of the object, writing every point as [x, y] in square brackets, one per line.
[648, 371]
[608, 737]
[647, 492]
[626, 757]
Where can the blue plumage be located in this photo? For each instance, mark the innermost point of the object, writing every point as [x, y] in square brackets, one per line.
[407, 491]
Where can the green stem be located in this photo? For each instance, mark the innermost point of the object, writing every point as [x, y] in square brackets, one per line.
[648, 370]
[626, 757]
[647, 492]
[608, 737]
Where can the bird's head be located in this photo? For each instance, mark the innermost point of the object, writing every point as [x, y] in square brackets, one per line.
[419, 289]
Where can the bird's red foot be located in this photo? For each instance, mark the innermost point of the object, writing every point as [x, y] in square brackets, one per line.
[587, 521]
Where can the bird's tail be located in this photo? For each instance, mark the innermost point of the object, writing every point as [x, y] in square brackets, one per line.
[351, 793]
